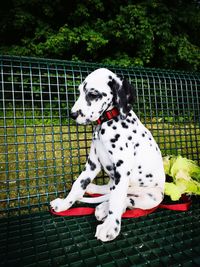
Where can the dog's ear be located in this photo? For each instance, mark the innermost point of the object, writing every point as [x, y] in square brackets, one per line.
[123, 96]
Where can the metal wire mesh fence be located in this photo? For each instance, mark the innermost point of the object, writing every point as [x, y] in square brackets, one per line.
[42, 150]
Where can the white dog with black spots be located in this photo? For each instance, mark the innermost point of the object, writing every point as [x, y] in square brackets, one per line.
[122, 146]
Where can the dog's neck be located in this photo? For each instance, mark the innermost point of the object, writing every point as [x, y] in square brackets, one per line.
[108, 115]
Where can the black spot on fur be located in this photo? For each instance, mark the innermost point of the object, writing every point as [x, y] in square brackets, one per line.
[85, 183]
[109, 123]
[128, 173]
[102, 131]
[119, 163]
[117, 221]
[110, 152]
[115, 139]
[113, 145]
[132, 202]
[151, 196]
[114, 127]
[92, 164]
[109, 168]
[143, 135]
[116, 229]
[139, 167]
[130, 138]
[121, 148]
[149, 175]
[110, 212]
[124, 125]
[117, 136]
[117, 177]
[112, 188]
[134, 131]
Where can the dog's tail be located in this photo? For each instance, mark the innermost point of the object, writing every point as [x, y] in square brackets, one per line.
[94, 200]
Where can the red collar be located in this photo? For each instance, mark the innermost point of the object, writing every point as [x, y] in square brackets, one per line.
[108, 115]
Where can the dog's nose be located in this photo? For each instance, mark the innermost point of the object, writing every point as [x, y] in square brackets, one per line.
[74, 115]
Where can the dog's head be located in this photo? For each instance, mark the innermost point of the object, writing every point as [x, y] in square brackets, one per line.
[99, 92]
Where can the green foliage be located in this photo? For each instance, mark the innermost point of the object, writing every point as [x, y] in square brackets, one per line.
[156, 33]
[185, 174]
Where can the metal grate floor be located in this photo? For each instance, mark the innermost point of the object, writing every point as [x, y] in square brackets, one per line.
[163, 238]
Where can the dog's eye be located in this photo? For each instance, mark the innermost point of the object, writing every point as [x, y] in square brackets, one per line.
[92, 96]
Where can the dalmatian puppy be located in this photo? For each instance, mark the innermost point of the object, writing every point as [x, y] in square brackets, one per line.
[122, 146]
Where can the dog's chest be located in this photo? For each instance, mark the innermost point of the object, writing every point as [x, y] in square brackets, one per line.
[102, 153]
[101, 149]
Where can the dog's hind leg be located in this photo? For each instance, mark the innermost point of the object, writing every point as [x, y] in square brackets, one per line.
[144, 197]
[140, 197]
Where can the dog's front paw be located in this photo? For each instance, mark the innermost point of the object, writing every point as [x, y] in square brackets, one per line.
[108, 230]
[60, 204]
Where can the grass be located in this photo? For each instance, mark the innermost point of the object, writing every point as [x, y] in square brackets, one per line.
[40, 162]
